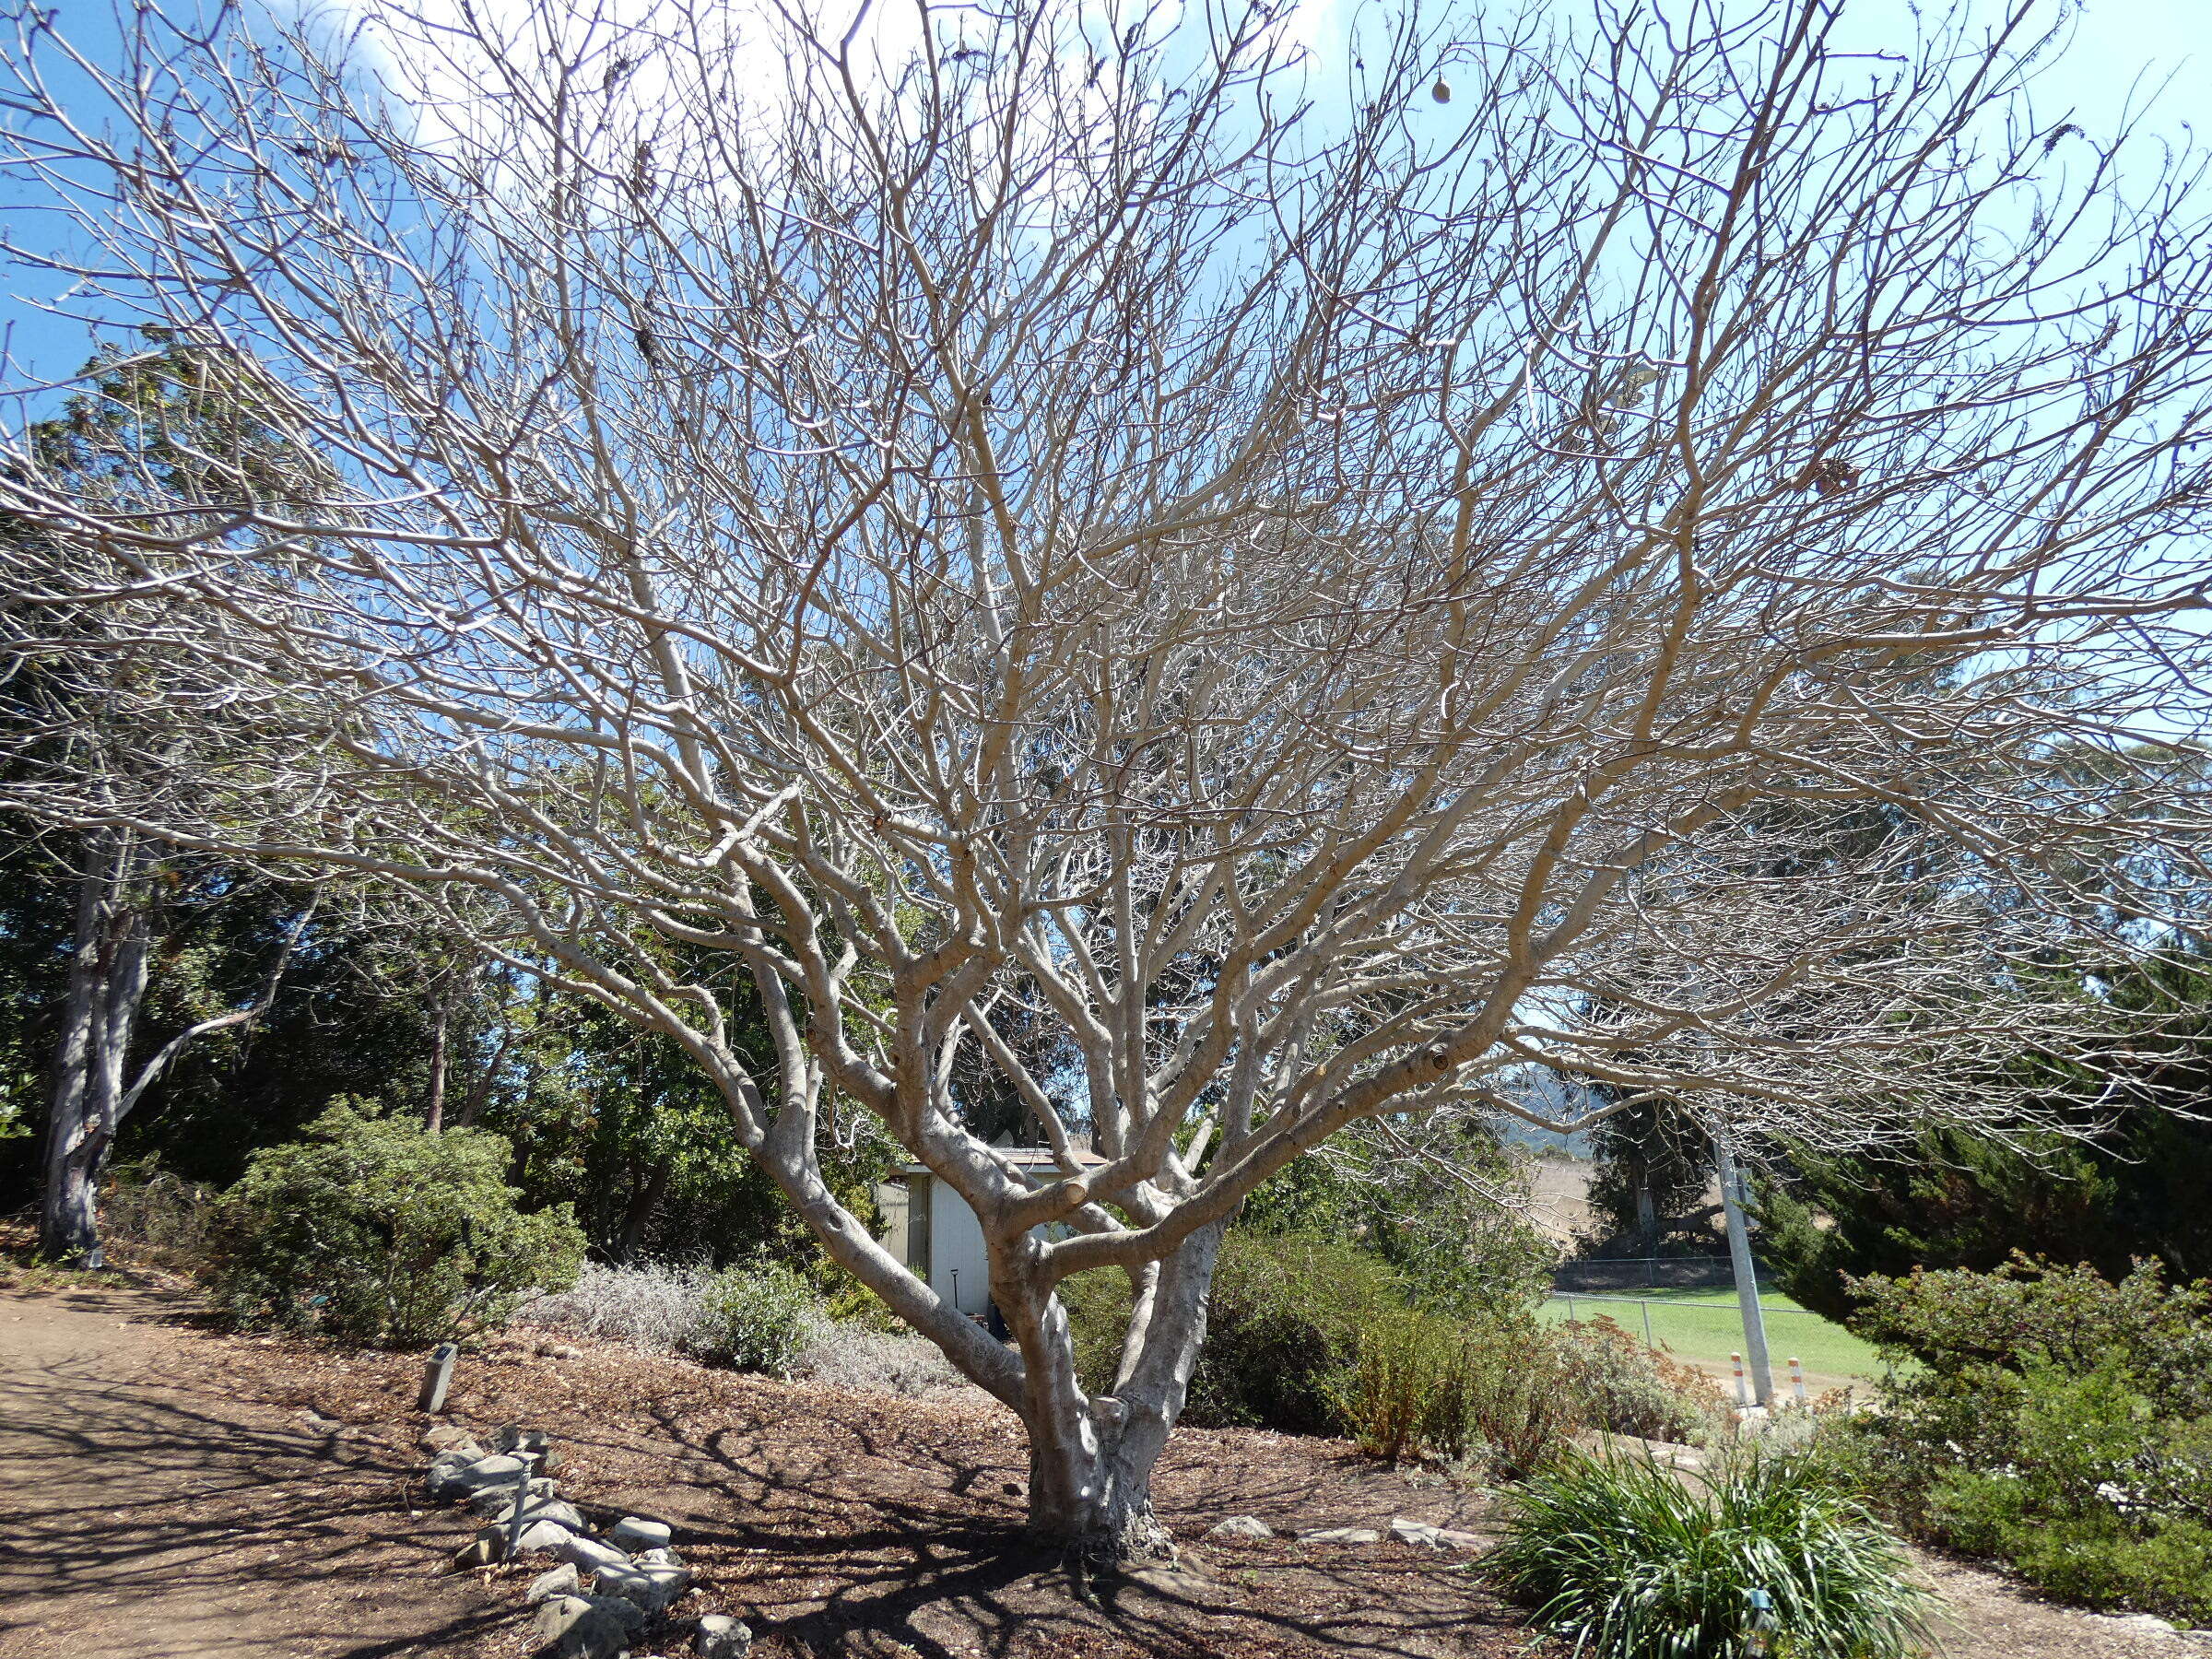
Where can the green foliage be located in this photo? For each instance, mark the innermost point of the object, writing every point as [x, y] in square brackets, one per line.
[1419, 1386]
[2030, 1313]
[630, 1131]
[1286, 1316]
[2057, 1421]
[371, 1230]
[2101, 1501]
[2122, 1184]
[1452, 1247]
[1653, 1164]
[1959, 1199]
[1626, 1560]
[755, 1318]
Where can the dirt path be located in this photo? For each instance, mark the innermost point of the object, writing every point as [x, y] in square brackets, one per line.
[147, 1512]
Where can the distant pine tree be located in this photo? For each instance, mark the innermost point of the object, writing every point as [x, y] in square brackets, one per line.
[2130, 1187]
[1654, 1171]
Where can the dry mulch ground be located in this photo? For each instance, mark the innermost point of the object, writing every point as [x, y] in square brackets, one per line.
[171, 1492]
[181, 1492]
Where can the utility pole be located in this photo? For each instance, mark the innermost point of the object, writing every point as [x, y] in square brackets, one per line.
[1746, 1275]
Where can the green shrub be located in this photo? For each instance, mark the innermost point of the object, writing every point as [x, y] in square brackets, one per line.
[1626, 1562]
[2055, 1422]
[372, 1230]
[1491, 1393]
[2097, 1498]
[755, 1319]
[1622, 1386]
[1286, 1319]
[2029, 1312]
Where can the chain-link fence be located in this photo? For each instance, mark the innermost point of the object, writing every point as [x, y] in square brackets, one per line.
[1647, 1273]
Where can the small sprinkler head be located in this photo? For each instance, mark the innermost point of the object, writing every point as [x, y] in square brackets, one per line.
[1441, 91]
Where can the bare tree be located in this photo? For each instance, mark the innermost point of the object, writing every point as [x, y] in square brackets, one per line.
[1324, 581]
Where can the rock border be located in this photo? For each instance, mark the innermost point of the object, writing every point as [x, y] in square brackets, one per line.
[601, 1593]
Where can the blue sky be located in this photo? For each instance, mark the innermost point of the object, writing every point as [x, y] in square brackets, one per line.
[2121, 49]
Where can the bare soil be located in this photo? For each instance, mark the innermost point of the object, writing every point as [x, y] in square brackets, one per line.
[170, 1492]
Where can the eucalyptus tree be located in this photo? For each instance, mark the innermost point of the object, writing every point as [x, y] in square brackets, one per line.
[128, 446]
[1306, 569]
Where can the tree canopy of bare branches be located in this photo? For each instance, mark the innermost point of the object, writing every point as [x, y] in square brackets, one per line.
[1329, 595]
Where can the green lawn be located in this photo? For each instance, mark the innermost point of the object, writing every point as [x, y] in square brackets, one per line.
[1706, 1326]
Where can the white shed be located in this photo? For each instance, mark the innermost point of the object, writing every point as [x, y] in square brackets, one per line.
[930, 1227]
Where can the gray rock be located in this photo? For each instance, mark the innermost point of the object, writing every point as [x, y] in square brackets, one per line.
[452, 1477]
[541, 1506]
[652, 1588]
[574, 1628]
[589, 1553]
[1341, 1535]
[634, 1533]
[661, 1558]
[484, 1500]
[548, 1536]
[1435, 1538]
[562, 1581]
[442, 1479]
[444, 1437]
[625, 1613]
[721, 1636]
[1241, 1526]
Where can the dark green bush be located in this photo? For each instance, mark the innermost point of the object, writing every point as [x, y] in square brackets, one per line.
[372, 1230]
[2055, 1422]
[1625, 1560]
[1286, 1319]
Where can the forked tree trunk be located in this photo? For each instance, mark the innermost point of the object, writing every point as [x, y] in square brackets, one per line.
[107, 986]
[1091, 1458]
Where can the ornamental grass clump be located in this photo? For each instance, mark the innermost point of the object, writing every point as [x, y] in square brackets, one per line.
[1769, 1556]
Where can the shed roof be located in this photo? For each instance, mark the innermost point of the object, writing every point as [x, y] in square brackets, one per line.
[1022, 1157]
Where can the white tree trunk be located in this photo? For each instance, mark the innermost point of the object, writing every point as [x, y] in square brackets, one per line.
[1091, 1457]
[107, 986]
